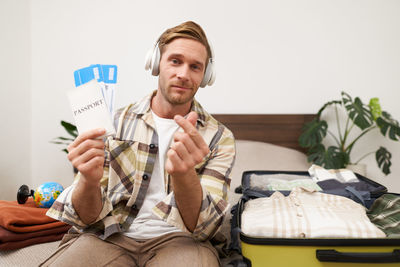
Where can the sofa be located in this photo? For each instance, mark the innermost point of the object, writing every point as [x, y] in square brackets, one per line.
[250, 155]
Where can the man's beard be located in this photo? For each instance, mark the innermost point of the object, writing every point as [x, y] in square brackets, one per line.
[175, 98]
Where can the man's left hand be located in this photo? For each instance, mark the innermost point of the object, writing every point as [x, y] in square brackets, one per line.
[188, 149]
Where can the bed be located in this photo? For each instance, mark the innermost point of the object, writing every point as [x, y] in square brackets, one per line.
[263, 142]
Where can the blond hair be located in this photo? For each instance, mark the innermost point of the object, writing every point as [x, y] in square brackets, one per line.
[189, 30]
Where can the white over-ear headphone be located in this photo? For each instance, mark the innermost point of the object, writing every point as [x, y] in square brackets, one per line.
[153, 63]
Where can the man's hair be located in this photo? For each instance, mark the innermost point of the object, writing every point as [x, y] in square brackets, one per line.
[189, 30]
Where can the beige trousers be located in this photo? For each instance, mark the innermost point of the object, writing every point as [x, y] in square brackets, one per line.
[175, 249]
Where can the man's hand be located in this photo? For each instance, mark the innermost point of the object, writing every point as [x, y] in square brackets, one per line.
[86, 154]
[188, 149]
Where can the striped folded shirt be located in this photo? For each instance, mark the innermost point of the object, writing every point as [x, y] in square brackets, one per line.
[307, 214]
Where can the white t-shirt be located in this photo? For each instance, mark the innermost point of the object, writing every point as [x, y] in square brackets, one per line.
[146, 225]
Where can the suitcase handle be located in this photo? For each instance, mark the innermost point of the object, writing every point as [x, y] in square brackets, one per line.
[331, 255]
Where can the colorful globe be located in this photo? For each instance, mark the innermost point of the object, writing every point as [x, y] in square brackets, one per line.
[46, 194]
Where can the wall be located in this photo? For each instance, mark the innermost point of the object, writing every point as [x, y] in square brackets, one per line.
[276, 56]
[15, 100]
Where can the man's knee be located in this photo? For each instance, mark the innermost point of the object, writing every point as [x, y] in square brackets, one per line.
[86, 250]
[185, 253]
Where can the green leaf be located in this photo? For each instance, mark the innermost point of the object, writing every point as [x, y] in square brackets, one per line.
[65, 138]
[62, 140]
[375, 108]
[316, 154]
[313, 133]
[334, 102]
[383, 158]
[357, 111]
[70, 128]
[59, 143]
[388, 125]
[335, 158]
[331, 158]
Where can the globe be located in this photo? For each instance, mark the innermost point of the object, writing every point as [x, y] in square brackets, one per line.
[46, 194]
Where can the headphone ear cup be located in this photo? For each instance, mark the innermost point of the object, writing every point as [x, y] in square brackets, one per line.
[155, 61]
[152, 61]
[213, 75]
[207, 75]
[147, 62]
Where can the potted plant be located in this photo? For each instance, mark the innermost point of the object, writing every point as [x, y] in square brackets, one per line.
[72, 132]
[365, 117]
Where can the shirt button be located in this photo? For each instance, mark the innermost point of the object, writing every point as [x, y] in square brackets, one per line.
[299, 215]
[152, 146]
[145, 177]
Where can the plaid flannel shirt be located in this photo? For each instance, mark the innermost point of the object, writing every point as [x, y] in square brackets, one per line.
[129, 161]
[385, 214]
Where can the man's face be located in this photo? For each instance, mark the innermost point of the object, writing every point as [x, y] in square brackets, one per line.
[182, 68]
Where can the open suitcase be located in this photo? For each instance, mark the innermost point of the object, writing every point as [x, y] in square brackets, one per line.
[351, 252]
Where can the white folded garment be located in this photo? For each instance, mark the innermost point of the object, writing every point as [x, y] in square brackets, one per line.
[307, 214]
[318, 174]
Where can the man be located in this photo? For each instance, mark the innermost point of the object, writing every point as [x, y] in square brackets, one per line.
[156, 192]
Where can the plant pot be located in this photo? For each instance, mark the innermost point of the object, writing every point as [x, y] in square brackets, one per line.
[359, 168]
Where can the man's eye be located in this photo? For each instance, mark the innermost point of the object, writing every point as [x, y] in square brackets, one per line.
[175, 61]
[195, 67]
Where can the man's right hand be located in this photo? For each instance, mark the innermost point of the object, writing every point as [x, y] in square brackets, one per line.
[86, 154]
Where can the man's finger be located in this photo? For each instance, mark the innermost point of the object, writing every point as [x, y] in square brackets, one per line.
[192, 118]
[92, 134]
[186, 126]
[87, 155]
[185, 139]
[84, 147]
[191, 131]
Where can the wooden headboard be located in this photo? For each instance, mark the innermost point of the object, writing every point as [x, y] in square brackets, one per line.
[279, 129]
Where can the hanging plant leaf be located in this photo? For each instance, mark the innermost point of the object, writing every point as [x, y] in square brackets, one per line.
[375, 108]
[383, 158]
[313, 133]
[358, 112]
[70, 128]
[388, 125]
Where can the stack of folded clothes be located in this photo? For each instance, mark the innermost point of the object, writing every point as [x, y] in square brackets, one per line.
[307, 214]
[23, 225]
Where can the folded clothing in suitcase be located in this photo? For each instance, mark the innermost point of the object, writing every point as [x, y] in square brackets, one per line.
[364, 191]
[310, 250]
[307, 214]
